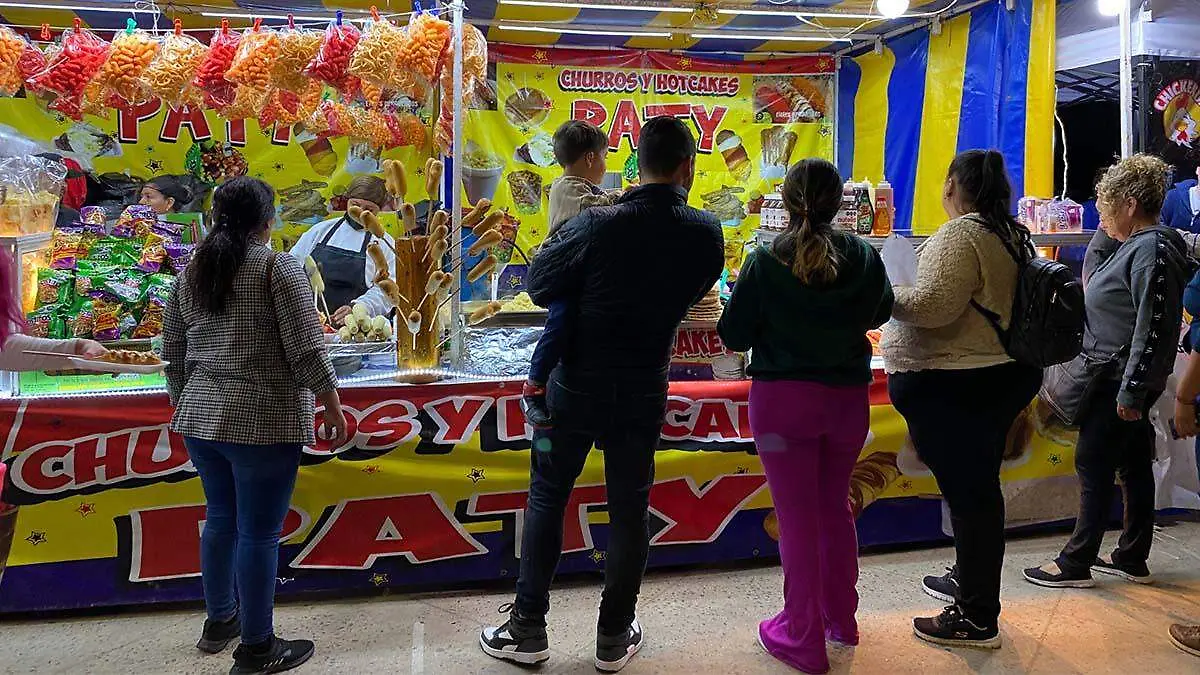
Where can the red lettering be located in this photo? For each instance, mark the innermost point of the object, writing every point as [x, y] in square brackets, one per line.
[129, 117]
[713, 422]
[157, 452]
[577, 534]
[683, 345]
[386, 425]
[676, 424]
[457, 417]
[588, 111]
[325, 446]
[44, 469]
[235, 132]
[281, 134]
[707, 123]
[510, 420]
[668, 109]
[625, 124]
[102, 459]
[743, 420]
[699, 516]
[359, 531]
[166, 540]
[185, 116]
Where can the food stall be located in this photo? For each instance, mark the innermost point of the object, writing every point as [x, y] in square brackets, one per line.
[100, 505]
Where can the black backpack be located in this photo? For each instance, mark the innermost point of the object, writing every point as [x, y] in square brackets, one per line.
[1047, 312]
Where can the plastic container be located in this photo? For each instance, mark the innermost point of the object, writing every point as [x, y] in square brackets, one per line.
[885, 209]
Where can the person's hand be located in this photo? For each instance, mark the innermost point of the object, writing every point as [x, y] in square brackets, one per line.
[334, 425]
[1128, 414]
[339, 315]
[1185, 419]
[89, 349]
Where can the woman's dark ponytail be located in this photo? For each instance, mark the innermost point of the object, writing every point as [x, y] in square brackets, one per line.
[812, 195]
[242, 207]
[982, 179]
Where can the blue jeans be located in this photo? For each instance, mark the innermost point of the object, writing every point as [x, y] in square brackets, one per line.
[550, 346]
[625, 422]
[248, 489]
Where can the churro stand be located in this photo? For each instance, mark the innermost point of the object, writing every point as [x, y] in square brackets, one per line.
[100, 504]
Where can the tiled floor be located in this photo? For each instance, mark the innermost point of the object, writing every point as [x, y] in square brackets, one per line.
[696, 622]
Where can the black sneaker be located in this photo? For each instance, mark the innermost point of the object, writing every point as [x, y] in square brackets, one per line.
[1051, 575]
[218, 634]
[614, 651]
[275, 656]
[944, 587]
[1138, 574]
[518, 640]
[952, 629]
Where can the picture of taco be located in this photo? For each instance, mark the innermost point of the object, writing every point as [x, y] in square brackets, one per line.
[527, 107]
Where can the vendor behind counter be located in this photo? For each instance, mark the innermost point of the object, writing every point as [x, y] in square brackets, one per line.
[339, 247]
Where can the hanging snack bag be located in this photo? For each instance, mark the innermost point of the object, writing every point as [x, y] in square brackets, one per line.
[375, 59]
[421, 53]
[332, 61]
[12, 47]
[474, 71]
[297, 48]
[255, 59]
[64, 247]
[172, 72]
[32, 62]
[82, 56]
[210, 75]
[248, 103]
[132, 53]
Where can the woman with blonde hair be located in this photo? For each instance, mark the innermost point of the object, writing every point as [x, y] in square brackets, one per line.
[804, 305]
[1134, 301]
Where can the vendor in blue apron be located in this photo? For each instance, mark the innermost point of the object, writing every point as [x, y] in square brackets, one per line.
[339, 247]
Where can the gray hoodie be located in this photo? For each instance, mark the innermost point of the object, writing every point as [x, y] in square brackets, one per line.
[1134, 301]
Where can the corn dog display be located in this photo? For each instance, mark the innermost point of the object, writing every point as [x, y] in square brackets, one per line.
[408, 216]
[381, 265]
[477, 213]
[483, 313]
[439, 220]
[485, 267]
[395, 178]
[491, 222]
[488, 240]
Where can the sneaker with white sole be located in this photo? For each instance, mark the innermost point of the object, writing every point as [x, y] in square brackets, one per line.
[944, 587]
[519, 640]
[614, 651]
[1051, 575]
[1186, 637]
[953, 629]
[1138, 574]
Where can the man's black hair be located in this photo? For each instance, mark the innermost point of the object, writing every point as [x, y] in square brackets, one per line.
[575, 139]
[665, 144]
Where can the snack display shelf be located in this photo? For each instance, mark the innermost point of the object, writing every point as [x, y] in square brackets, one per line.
[1044, 239]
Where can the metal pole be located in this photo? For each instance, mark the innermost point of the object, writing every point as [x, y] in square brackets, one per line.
[456, 168]
[1126, 82]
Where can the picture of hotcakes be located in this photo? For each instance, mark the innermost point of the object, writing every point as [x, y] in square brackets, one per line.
[527, 107]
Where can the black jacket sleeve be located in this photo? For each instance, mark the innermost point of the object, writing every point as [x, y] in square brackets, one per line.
[711, 259]
[558, 270]
[887, 298]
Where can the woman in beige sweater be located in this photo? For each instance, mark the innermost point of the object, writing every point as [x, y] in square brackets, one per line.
[958, 390]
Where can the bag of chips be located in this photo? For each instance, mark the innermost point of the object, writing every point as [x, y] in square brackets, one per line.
[210, 75]
[156, 290]
[297, 48]
[106, 318]
[255, 58]
[153, 253]
[133, 219]
[81, 319]
[332, 61]
[131, 54]
[89, 235]
[421, 54]
[92, 215]
[376, 57]
[46, 322]
[54, 286]
[171, 74]
[90, 276]
[12, 46]
[114, 251]
[64, 247]
[75, 65]
[178, 256]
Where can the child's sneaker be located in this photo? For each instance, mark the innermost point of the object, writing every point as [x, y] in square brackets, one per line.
[518, 640]
[533, 404]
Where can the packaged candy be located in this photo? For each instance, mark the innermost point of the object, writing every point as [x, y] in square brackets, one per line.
[125, 284]
[332, 61]
[88, 237]
[210, 75]
[12, 46]
[92, 215]
[172, 72]
[255, 58]
[134, 219]
[81, 319]
[178, 256]
[131, 54]
[64, 247]
[153, 252]
[421, 53]
[106, 318]
[170, 232]
[126, 324]
[54, 286]
[117, 251]
[76, 63]
[375, 59]
[46, 322]
[297, 48]
[90, 275]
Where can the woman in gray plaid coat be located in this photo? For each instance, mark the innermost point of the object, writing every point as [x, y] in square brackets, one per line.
[247, 361]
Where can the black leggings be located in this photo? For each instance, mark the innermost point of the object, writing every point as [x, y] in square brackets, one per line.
[958, 421]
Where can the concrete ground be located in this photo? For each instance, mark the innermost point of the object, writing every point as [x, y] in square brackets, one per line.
[695, 622]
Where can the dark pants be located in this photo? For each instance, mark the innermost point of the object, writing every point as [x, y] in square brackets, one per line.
[247, 489]
[626, 423]
[958, 421]
[1110, 447]
[549, 349]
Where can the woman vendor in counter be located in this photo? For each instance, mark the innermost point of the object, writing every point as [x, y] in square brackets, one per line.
[165, 194]
[339, 247]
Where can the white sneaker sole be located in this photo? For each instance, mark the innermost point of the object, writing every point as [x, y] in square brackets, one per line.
[526, 658]
[1070, 583]
[990, 643]
[1113, 572]
[936, 594]
[614, 666]
[1177, 643]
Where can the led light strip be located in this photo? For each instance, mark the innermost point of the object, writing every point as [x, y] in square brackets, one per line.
[581, 31]
[592, 5]
[805, 15]
[75, 8]
[773, 38]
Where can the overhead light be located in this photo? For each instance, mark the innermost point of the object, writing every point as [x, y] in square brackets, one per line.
[801, 15]
[776, 38]
[280, 17]
[593, 5]
[892, 9]
[70, 8]
[1110, 7]
[579, 31]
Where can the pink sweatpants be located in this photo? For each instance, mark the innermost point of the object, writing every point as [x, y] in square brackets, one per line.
[809, 437]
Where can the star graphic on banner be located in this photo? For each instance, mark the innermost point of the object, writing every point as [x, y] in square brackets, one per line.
[278, 167]
[685, 63]
[371, 469]
[36, 537]
[379, 579]
[86, 509]
[825, 130]
[524, 131]
[1054, 459]
[508, 76]
[541, 55]
[420, 171]
[702, 173]
[906, 485]
[514, 281]
[476, 475]
[154, 166]
[258, 174]
[149, 149]
[598, 556]
[59, 118]
[741, 471]
[539, 76]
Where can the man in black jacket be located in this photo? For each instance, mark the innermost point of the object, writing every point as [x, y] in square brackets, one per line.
[629, 272]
